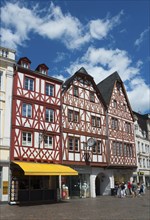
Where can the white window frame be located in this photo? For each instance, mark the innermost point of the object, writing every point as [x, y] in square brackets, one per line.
[28, 85]
[27, 136]
[49, 89]
[49, 115]
[48, 142]
[28, 110]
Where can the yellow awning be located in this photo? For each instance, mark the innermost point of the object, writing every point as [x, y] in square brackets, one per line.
[41, 169]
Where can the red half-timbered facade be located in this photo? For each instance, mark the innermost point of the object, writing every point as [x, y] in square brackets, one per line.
[84, 129]
[36, 115]
[36, 134]
[121, 142]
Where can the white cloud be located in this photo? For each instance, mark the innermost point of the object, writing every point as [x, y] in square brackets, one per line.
[100, 63]
[139, 95]
[141, 38]
[100, 28]
[52, 24]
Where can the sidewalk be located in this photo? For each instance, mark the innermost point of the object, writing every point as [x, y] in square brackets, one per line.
[100, 208]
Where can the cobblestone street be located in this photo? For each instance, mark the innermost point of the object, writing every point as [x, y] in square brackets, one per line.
[100, 208]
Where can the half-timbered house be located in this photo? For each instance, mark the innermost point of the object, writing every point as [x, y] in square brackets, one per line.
[84, 133]
[36, 134]
[121, 141]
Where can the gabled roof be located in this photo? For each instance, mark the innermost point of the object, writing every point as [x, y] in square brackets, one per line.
[24, 59]
[106, 88]
[142, 120]
[43, 65]
[83, 73]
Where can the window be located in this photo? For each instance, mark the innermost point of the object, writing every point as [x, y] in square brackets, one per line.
[70, 115]
[124, 107]
[76, 116]
[26, 110]
[131, 150]
[75, 91]
[49, 90]
[114, 103]
[114, 124]
[4, 53]
[48, 142]
[96, 121]
[125, 149]
[127, 127]
[44, 72]
[49, 115]
[114, 148]
[29, 83]
[1, 74]
[73, 144]
[92, 98]
[25, 65]
[26, 139]
[73, 116]
[97, 148]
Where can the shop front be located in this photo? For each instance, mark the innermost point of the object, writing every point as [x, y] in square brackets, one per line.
[78, 186]
[35, 182]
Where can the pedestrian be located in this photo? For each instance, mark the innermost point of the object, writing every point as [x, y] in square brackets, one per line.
[134, 189]
[129, 188]
[141, 189]
[122, 190]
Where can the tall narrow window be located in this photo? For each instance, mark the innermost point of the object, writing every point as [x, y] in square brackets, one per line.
[48, 142]
[27, 110]
[70, 115]
[29, 84]
[1, 74]
[76, 116]
[114, 124]
[93, 118]
[99, 147]
[75, 91]
[49, 115]
[49, 89]
[127, 127]
[114, 148]
[92, 98]
[114, 103]
[26, 139]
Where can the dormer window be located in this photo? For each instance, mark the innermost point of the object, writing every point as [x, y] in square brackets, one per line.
[25, 65]
[24, 62]
[43, 71]
[42, 68]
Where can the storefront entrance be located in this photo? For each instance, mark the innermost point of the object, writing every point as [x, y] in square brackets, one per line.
[33, 189]
[0, 183]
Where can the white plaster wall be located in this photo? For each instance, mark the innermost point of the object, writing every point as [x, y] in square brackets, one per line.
[5, 174]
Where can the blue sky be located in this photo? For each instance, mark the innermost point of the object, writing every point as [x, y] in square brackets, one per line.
[102, 36]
